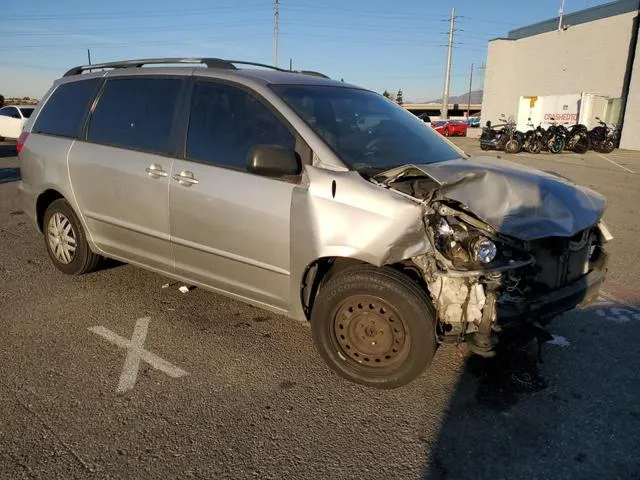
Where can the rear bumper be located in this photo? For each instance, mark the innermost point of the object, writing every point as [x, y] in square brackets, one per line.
[578, 293]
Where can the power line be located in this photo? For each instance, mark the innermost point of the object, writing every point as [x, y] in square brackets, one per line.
[135, 14]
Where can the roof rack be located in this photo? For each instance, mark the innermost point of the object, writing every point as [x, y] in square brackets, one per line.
[208, 62]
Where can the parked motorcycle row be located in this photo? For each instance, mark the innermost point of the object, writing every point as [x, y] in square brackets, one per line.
[555, 139]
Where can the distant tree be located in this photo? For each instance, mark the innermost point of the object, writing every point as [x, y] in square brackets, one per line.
[1, 101]
[26, 98]
[386, 94]
[399, 97]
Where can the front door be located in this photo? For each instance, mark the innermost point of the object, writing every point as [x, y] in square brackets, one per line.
[120, 174]
[230, 229]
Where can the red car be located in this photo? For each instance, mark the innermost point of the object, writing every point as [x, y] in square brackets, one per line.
[450, 128]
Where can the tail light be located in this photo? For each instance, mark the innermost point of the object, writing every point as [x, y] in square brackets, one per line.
[21, 141]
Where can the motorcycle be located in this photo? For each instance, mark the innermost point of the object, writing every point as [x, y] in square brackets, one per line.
[577, 138]
[533, 139]
[604, 138]
[493, 137]
[554, 137]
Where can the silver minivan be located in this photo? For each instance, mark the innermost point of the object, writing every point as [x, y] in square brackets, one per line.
[311, 198]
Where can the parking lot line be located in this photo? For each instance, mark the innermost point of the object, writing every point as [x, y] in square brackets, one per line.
[615, 163]
[136, 353]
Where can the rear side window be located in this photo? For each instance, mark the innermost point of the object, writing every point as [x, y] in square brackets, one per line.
[226, 122]
[135, 113]
[63, 113]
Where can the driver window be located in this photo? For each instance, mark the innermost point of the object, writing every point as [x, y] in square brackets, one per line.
[225, 122]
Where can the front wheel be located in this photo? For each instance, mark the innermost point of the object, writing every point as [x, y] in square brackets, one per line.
[556, 146]
[374, 326]
[607, 146]
[581, 146]
[534, 146]
[66, 241]
[512, 146]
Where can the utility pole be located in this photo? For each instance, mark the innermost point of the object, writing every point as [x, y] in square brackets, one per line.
[469, 98]
[276, 14]
[89, 56]
[291, 64]
[447, 75]
[560, 14]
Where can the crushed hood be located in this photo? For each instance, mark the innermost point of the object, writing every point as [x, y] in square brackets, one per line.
[515, 200]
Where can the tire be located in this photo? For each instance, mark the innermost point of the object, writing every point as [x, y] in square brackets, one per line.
[534, 146]
[60, 219]
[556, 146]
[388, 323]
[512, 146]
[581, 146]
[484, 147]
[607, 146]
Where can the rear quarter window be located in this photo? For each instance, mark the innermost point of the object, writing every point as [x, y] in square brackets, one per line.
[65, 110]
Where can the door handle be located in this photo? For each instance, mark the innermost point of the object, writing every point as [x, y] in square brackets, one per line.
[155, 171]
[185, 178]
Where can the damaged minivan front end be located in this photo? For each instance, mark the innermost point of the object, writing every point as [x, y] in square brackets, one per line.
[508, 246]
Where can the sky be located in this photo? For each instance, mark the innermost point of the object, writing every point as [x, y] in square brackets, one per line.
[374, 44]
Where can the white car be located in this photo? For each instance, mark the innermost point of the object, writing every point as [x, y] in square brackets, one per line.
[12, 120]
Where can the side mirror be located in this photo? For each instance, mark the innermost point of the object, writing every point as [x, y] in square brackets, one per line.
[529, 118]
[598, 118]
[273, 161]
[488, 124]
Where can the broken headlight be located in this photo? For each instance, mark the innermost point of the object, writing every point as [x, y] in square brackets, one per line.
[484, 250]
[462, 244]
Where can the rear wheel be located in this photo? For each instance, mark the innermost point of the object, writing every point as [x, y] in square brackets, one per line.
[66, 241]
[374, 326]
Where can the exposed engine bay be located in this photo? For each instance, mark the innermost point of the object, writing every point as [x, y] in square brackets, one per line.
[524, 252]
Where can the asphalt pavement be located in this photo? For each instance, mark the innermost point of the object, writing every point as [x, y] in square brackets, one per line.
[225, 390]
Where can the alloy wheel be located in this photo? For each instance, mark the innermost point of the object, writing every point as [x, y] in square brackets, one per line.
[62, 238]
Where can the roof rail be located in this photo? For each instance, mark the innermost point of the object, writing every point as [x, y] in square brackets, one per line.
[209, 62]
[311, 72]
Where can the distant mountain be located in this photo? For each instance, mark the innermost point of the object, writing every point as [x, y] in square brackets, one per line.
[476, 97]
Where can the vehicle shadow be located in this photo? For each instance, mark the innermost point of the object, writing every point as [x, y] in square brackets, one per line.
[575, 415]
[8, 150]
[108, 264]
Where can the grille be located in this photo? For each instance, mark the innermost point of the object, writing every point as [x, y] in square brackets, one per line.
[560, 260]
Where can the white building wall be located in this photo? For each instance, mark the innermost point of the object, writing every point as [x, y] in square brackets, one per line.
[589, 57]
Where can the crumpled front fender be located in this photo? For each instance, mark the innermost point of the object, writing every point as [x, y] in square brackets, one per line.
[340, 214]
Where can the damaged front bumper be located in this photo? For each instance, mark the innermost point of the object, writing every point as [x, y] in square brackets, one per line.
[512, 311]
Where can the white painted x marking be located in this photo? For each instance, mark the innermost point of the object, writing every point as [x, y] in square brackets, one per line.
[135, 353]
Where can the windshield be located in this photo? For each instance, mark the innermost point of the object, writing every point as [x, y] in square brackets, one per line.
[26, 112]
[367, 131]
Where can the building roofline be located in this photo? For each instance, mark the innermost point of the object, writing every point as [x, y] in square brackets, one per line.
[591, 14]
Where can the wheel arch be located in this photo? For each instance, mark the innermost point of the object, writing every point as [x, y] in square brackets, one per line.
[322, 269]
[43, 201]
